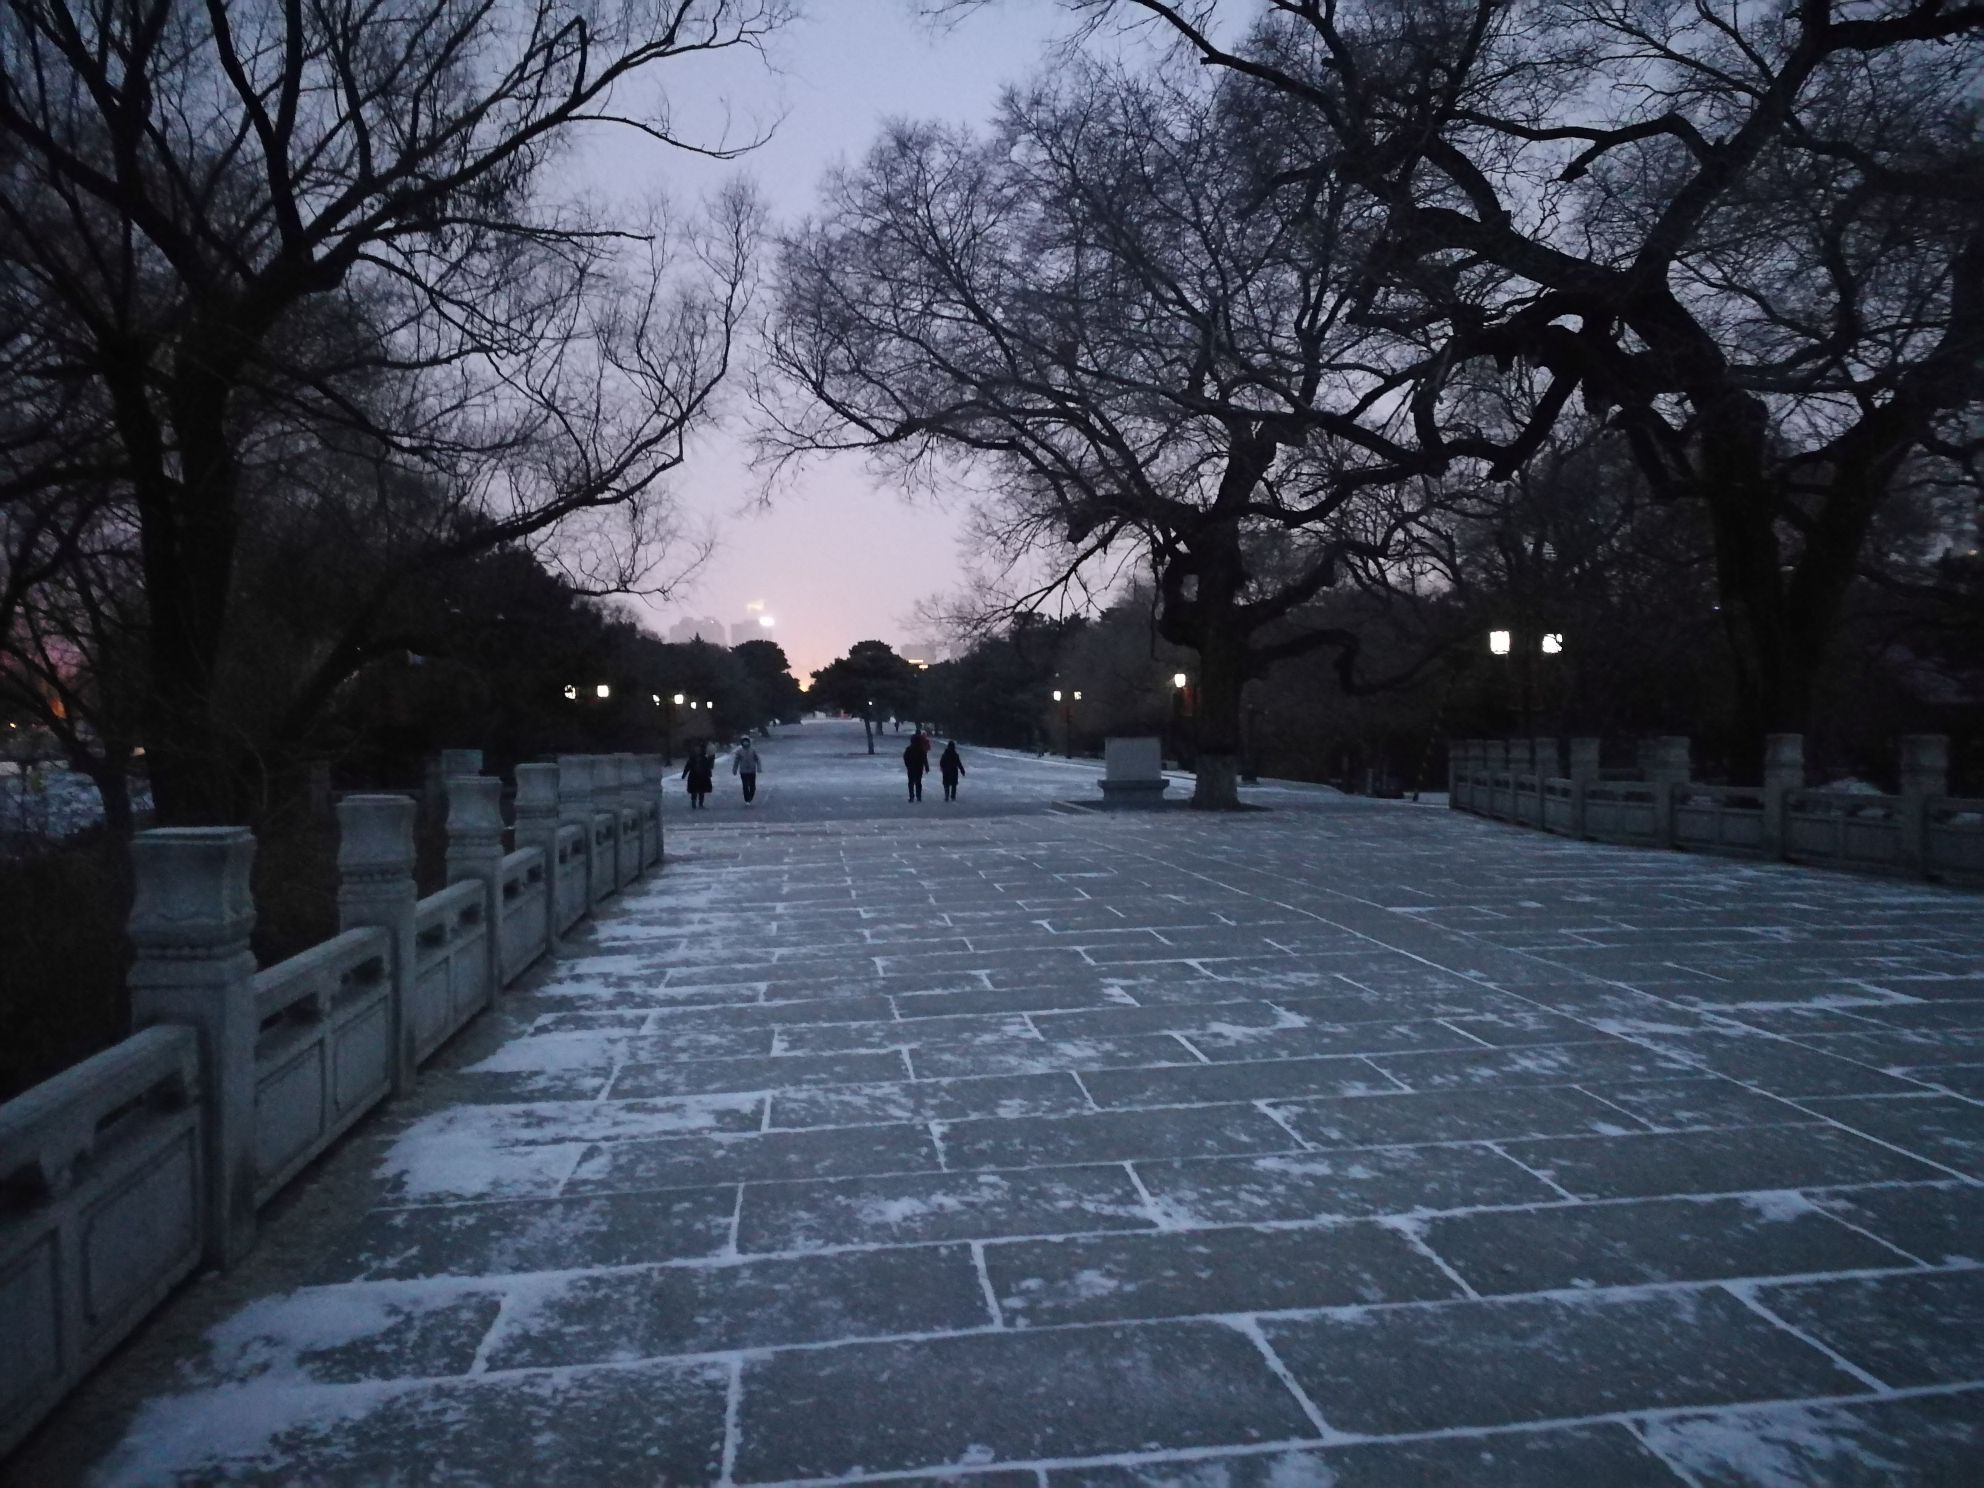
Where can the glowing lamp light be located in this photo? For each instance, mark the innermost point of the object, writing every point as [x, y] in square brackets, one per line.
[1078, 697]
[1057, 694]
[1553, 644]
[1177, 679]
[571, 691]
[1499, 642]
[657, 698]
[766, 622]
[678, 699]
[603, 690]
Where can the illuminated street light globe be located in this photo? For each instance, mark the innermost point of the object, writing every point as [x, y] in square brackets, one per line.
[1177, 679]
[678, 699]
[1499, 641]
[1057, 694]
[1553, 644]
[604, 690]
[571, 691]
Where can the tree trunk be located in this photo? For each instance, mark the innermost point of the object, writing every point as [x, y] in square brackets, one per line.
[867, 733]
[1216, 715]
[113, 785]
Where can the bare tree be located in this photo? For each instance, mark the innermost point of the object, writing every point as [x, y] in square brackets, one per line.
[243, 223]
[1752, 237]
[1103, 314]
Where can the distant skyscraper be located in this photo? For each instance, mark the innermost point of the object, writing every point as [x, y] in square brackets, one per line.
[690, 627]
[755, 626]
[921, 653]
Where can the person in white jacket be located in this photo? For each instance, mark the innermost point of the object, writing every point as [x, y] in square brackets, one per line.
[744, 765]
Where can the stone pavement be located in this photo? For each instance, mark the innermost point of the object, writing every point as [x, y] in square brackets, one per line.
[1349, 1142]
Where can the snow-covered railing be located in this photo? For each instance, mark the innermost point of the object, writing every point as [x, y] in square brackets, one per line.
[120, 1175]
[101, 1213]
[323, 1050]
[1920, 830]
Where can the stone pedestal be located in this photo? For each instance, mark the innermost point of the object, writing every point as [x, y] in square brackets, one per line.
[1133, 772]
[1665, 763]
[191, 916]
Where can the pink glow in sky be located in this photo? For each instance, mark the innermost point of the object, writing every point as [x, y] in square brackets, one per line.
[841, 555]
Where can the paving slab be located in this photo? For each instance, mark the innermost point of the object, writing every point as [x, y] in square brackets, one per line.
[989, 1397]
[1388, 1370]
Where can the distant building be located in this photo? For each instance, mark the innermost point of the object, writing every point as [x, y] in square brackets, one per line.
[921, 653]
[755, 626]
[694, 627]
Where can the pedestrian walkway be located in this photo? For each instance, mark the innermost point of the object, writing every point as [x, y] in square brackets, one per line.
[1346, 1142]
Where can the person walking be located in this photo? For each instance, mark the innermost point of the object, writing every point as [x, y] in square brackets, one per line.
[950, 767]
[916, 760]
[699, 769]
[744, 765]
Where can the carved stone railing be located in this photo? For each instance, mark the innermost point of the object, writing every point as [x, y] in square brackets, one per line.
[324, 1050]
[1920, 830]
[121, 1175]
[451, 951]
[102, 1192]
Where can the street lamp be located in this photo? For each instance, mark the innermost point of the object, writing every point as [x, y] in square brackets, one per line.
[571, 693]
[1067, 721]
[1499, 642]
[1179, 682]
[603, 690]
[1553, 644]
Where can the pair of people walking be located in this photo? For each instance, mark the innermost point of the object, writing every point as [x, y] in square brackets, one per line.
[916, 761]
[699, 770]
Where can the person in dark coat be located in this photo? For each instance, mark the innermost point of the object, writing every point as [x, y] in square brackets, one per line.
[916, 760]
[700, 771]
[950, 767]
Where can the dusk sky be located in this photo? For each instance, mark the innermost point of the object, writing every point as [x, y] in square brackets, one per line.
[841, 555]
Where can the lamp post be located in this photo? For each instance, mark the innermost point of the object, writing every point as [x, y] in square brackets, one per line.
[1179, 682]
[1067, 702]
[1510, 643]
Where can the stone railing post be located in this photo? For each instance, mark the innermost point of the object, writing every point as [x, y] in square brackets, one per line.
[1666, 766]
[1925, 774]
[1585, 755]
[475, 851]
[654, 770]
[575, 807]
[459, 762]
[375, 887]
[1522, 756]
[191, 916]
[632, 823]
[1495, 761]
[537, 826]
[1784, 772]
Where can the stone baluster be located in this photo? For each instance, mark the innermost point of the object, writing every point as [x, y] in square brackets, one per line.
[1585, 755]
[1784, 772]
[1925, 774]
[575, 808]
[627, 807]
[538, 815]
[654, 770]
[1665, 763]
[475, 851]
[375, 887]
[192, 914]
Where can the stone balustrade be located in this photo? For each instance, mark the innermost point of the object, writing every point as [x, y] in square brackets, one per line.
[1922, 830]
[123, 1174]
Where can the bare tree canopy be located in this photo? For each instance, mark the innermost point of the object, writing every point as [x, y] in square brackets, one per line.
[1105, 311]
[237, 238]
[1751, 237]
